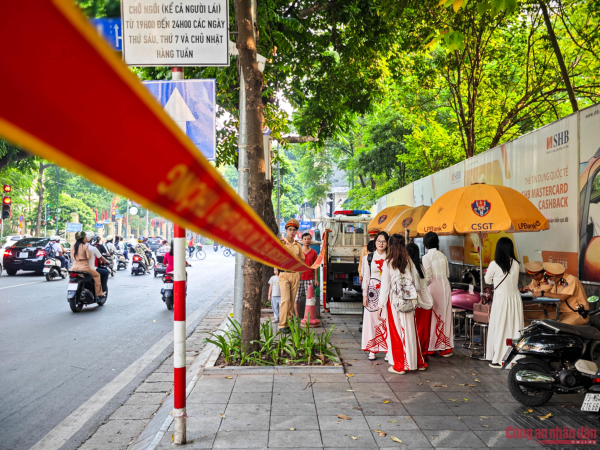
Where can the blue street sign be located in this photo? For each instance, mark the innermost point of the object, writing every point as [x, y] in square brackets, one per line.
[119, 216]
[282, 227]
[99, 225]
[305, 225]
[106, 220]
[73, 227]
[192, 105]
[110, 30]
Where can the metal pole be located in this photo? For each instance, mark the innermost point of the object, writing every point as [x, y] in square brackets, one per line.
[278, 195]
[2, 222]
[45, 219]
[179, 290]
[57, 190]
[147, 222]
[238, 290]
[127, 226]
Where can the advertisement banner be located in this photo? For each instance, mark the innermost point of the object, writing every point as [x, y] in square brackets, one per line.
[402, 196]
[51, 117]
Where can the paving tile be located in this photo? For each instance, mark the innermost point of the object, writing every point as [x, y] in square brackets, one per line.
[294, 439]
[410, 439]
[300, 423]
[440, 423]
[196, 440]
[253, 379]
[342, 439]
[490, 423]
[473, 409]
[329, 378]
[500, 397]
[330, 387]
[253, 387]
[145, 398]
[213, 386]
[213, 397]
[243, 408]
[418, 397]
[391, 423]
[453, 398]
[360, 378]
[135, 412]
[382, 409]
[248, 421]
[333, 423]
[203, 424]
[428, 409]
[333, 409]
[241, 439]
[412, 386]
[297, 378]
[335, 397]
[498, 439]
[454, 439]
[162, 386]
[250, 397]
[286, 409]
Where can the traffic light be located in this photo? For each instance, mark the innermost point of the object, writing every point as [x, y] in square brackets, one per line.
[7, 188]
[43, 223]
[6, 201]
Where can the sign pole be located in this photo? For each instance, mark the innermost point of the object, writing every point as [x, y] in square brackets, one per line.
[179, 334]
[45, 219]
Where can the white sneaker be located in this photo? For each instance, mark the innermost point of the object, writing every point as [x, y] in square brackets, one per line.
[391, 369]
[372, 356]
[386, 357]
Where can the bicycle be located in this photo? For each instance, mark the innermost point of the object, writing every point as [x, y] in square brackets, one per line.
[200, 254]
[228, 252]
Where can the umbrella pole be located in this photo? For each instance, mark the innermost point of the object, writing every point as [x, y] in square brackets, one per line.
[406, 234]
[480, 263]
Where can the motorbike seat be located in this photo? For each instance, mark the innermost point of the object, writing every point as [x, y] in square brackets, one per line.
[585, 331]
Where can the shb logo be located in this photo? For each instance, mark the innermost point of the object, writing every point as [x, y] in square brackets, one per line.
[382, 219]
[481, 207]
[557, 140]
[455, 176]
[406, 222]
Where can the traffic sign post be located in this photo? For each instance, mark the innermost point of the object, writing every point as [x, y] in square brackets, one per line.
[183, 33]
[192, 106]
[111, 30]
[72, 227]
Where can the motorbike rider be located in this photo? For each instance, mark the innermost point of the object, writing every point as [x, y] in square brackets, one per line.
[535, 270]
[109, 244]
[58, 250]
[191, 246]
[120, 246]
[141, 250]
[97, 249]
[83, 260]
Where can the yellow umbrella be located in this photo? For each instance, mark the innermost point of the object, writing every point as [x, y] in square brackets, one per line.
[482, 208]
[385, 216]
[407, 220]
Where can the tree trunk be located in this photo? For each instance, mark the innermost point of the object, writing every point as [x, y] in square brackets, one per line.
[253, 270]
[40, 207]
[559, 58]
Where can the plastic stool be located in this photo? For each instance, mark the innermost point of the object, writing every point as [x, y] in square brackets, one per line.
[483, 327]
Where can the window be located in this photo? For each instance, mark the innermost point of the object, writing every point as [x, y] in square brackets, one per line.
[31, 242]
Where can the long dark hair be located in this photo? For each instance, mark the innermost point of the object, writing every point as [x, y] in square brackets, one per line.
[171, 249]
[415, 255]
[78, 243]
[505, 254]
[396, 254]
[371, 246]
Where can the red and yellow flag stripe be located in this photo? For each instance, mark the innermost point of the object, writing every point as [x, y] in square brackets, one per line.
[68, 98]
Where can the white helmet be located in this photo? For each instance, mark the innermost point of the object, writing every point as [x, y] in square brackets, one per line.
[89, 235]
[108, 238]
[55, 238]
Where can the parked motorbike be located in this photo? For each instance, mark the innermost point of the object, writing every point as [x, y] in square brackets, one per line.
[138, 266]
[53, 270]
[555, 358]
[215, 247]
[81, 291]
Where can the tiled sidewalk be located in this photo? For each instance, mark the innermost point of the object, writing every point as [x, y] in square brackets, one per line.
[456, 403]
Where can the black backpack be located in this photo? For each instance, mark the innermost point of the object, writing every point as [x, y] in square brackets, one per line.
[50, 250]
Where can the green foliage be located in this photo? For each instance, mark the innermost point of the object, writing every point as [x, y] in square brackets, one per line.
[302, 345]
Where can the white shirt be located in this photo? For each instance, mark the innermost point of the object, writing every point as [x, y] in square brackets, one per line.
[95, 254]
[57, 248]
[164, 249]
[110, 247]
[121, 246]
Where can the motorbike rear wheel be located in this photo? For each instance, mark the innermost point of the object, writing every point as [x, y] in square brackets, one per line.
[75, 304]
[528, 396]
[49, 276]
[169, 303]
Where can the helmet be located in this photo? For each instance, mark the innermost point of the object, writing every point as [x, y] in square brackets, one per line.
[140, 240]
[79, 235]
[109, 238]
[89, 235]
[55, 238]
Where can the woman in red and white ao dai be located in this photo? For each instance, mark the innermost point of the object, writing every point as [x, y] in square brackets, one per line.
[374, 331]
[404, 348]
[437, 273]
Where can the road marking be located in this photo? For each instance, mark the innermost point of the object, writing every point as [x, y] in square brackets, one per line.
[56, 438]
[24, 284]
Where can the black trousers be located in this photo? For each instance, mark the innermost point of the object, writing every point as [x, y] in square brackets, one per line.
[103, 277]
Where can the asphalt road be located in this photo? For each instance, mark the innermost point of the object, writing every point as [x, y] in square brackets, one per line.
[53, 360]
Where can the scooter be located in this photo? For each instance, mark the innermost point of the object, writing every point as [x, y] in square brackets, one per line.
[53, 270]
[138, 267]
[215, 247]
[159, 267]
[82, 291]
[122, 263]
[555, 358]
[167, 290]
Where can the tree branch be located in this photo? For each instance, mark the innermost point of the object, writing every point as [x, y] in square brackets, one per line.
[299, 139]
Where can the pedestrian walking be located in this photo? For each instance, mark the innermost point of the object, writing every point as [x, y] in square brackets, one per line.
[275, 294]
[398, 298]
[424, 307]
[437, 273]
[374, 330]
[365, 250]
[289, 281]
[308, 277]
[506, 316]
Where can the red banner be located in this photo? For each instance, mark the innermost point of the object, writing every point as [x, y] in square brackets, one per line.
[68, 98]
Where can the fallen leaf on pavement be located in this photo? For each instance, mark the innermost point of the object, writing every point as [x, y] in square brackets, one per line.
[420, 384]
[223, 416]
[229, 378]
[386, 401]
[381, 433]
[392, 421]
[154, 321]
[473, 374]
[471, 385]
[349, 390]
[342, 416]
[354, 437]
[376, 363]
[485, 426]
[464, 384]
[292, 429]
[172, 438]
[395, 439]
[349, 375]
[466, 399]
[485, 417]
[547, 416]
[453, 399]
[477, 380]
